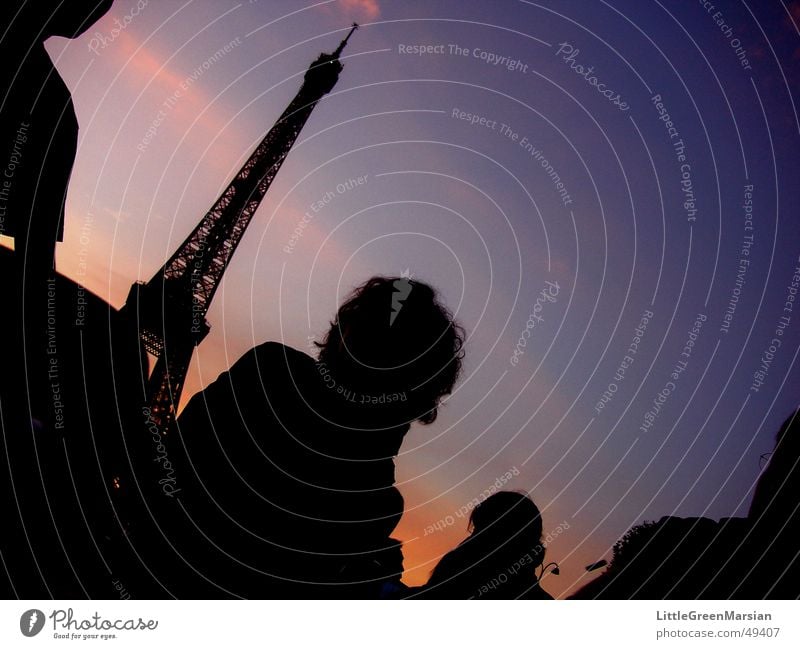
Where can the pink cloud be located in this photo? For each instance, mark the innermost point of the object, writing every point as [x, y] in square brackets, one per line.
[364, 9]
[354, 9]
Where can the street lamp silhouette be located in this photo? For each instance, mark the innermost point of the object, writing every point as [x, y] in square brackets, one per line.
[555, 571]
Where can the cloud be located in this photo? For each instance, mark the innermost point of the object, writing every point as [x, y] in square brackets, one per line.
[365, 9]
[185, 100]
[354, 9]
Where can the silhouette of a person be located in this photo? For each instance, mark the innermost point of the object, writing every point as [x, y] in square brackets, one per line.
[40, 130]
[286, 463]
[498, 560]
[38, 141]
[733, 558]
[775, 518]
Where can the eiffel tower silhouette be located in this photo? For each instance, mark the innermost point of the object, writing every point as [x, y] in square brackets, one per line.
[169, 311]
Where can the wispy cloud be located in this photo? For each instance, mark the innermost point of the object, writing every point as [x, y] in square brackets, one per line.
[365, 9]
[354, 9]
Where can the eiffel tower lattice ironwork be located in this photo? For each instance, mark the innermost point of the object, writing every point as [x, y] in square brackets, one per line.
[170, 309]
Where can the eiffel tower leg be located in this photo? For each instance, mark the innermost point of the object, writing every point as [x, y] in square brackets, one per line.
[165, 385]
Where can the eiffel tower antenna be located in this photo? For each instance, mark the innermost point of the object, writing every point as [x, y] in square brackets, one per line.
[170, 310]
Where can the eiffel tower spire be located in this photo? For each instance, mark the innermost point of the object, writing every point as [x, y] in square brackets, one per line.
[170, 309]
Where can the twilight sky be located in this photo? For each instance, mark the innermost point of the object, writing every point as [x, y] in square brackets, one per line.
[604, 193]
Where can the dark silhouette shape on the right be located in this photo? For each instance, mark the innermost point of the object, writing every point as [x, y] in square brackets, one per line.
[743, 558]
[499, 559]
[775, 518]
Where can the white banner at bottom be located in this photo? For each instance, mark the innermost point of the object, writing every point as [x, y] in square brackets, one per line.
[396, 624]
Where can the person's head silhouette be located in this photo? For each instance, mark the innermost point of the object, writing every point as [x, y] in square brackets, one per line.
[509, 525]
[500, 556]
[776, 491]
[394, 344]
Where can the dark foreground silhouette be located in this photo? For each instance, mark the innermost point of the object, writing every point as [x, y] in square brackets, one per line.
[742, 558]
[500, 557]
[38, 142]
[284, 464]
[95, 505]
[39, 127]
[64, 410]
[278, 480]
